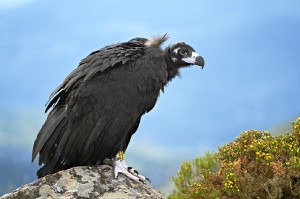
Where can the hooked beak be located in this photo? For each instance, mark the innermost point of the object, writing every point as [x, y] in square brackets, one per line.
[195, 59]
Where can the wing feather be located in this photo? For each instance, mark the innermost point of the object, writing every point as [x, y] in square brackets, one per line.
[98, 61]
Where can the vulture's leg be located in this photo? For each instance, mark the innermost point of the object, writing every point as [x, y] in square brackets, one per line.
[120, 166]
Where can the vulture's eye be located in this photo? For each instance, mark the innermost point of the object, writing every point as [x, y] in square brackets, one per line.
[183, 52]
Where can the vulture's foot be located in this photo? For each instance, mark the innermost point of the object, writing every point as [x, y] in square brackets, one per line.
[120, 166]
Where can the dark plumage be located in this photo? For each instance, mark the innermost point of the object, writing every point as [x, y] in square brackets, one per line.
[99, 105]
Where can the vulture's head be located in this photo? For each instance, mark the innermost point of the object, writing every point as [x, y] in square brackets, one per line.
[183, 55]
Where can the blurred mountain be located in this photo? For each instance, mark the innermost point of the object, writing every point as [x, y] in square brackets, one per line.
[15, 168]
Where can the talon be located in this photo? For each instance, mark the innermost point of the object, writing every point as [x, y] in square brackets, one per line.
[148, 179]
[133, 171]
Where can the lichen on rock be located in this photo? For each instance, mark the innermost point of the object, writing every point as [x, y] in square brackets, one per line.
[84, 182]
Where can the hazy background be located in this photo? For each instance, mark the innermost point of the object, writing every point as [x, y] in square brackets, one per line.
[250, 81]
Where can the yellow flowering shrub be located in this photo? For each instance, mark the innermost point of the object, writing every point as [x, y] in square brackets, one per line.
[254, 165]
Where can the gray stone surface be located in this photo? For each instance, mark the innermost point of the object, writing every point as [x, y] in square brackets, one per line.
[84, 182]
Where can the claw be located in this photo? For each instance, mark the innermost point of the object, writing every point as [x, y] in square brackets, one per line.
[148, 180]
[141, 181]
[133, 171]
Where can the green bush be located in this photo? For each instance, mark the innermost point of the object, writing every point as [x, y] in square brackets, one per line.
[255, 165]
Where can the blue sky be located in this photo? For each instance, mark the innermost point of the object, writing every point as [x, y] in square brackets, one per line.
[250, 81]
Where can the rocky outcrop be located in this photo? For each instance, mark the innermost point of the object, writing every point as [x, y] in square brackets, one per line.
[84, 182]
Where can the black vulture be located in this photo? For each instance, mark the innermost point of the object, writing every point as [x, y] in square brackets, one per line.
[98, 107]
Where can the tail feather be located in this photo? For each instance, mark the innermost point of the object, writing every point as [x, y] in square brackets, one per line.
[54, 119]
[49, 169]
[49, 148]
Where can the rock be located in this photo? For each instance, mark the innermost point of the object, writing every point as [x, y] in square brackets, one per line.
[84, 182]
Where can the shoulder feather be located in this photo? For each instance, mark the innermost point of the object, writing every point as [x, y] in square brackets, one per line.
[157, 41]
